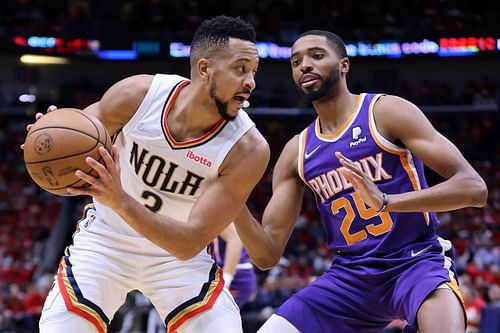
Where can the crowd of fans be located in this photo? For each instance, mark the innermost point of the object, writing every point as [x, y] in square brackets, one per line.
[26, 217]
[114, 22]
[479, 94]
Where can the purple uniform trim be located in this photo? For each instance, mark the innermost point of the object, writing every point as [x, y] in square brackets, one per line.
[244, 284]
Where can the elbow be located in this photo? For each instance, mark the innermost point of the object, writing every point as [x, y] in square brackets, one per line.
[265, 257]
[184, 257]
[479, 194]
[266, 263]
[187, 253]
[264, 267]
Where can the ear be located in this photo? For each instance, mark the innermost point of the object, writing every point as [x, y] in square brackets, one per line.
[344, 65]
[204, 68]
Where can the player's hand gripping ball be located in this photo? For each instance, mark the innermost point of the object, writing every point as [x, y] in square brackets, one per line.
[57, 145]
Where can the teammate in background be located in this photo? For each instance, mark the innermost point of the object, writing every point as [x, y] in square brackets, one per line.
[176, 177]
[363, 157]
[238, 271]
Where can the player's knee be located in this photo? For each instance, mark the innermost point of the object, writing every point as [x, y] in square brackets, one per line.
[441, 312]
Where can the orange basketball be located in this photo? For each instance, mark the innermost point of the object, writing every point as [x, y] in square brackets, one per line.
[57, 145]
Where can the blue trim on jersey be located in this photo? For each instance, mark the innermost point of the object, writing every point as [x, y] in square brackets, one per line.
[78, 292]
[196, 299]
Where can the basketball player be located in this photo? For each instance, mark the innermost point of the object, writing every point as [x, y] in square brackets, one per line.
[177, 175]
[363, 157]
[238, 271]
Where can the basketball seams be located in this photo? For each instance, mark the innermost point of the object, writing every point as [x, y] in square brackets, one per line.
[78, 112]
[64, 128]
[97, 142]
[88, 134]
[89, 171]
[100, 160]
[81, 113]
[89, 118]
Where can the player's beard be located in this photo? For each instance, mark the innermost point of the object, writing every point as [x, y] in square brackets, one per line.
[324, 89]
[221, 106]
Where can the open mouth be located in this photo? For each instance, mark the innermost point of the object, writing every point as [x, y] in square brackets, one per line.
[239, 100]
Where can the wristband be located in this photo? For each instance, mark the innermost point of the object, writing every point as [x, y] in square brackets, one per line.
[385, 201]
[228, 278]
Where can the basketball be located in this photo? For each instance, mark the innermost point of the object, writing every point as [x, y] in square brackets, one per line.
[57, 145]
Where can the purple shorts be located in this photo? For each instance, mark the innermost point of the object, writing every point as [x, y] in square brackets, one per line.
[243, 286]
[365, 294]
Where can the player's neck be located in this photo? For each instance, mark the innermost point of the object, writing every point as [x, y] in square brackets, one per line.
[335, 110]
[191, 115]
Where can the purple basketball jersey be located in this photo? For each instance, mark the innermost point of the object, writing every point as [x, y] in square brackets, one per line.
[352, 227]
[385, 264]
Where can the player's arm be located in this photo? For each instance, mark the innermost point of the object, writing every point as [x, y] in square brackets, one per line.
[213, 211]
[120, 102]
[265, 243]
[232, 256]
[399, 120]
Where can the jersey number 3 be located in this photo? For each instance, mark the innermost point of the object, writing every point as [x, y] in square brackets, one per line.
[366, 213]
[155, 204]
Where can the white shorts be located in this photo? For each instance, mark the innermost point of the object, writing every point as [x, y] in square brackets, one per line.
[102, 266]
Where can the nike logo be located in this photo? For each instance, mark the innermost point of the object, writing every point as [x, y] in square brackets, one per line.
[425, 249]
[309, 154]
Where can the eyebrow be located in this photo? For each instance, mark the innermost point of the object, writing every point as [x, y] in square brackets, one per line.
[314, 48]
[245, 59]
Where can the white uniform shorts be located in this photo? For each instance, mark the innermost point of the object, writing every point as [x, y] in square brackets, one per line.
[102, 266]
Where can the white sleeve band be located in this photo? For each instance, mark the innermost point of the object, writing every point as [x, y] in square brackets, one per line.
[228, 278]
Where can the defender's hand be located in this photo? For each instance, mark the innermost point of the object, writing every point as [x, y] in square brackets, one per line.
[362, 183]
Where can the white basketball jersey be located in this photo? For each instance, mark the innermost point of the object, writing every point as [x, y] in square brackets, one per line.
[165, 175]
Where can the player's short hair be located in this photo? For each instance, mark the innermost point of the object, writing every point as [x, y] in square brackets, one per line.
[334, 40]
[213, 36]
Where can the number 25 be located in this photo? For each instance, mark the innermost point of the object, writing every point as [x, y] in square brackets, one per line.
[365, 213]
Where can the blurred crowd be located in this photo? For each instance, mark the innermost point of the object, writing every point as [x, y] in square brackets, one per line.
[275, 20]
[116, 23]
[480, 93]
